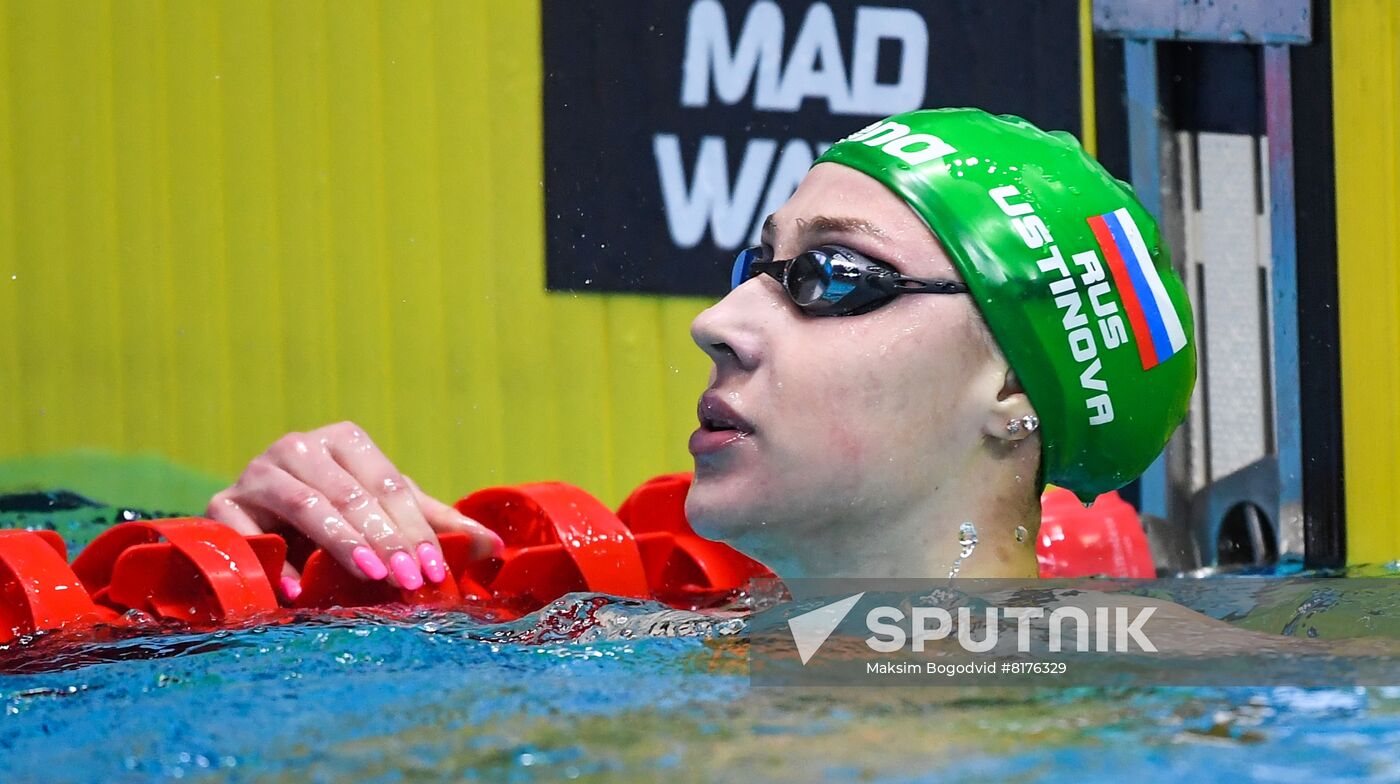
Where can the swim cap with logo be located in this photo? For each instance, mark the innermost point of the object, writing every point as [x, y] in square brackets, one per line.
[1070, 274]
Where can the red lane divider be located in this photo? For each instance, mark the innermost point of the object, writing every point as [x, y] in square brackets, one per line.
[325, 583]
[558, 539]
[202, 573]
[683, 566]
[38, 591]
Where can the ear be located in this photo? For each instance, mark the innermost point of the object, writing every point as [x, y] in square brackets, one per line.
[1011, 405]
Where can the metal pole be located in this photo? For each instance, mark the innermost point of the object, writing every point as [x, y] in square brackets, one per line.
[1144, 150]
[1278, 127]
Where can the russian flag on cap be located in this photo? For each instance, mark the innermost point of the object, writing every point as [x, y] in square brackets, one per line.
[1157, 329]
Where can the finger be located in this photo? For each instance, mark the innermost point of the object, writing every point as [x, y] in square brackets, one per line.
[270, 490]
[444, 519]
[312, 464]
[353, 449]
[223, 508]
[290, 582]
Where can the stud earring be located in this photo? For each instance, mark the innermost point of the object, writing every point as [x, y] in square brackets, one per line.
[1029, 423]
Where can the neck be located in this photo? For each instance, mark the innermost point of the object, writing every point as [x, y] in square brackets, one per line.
[925, 539]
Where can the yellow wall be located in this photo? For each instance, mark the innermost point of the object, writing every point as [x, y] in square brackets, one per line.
[1366, 85]
[220, 221]
[223, 220]
[1088, 114]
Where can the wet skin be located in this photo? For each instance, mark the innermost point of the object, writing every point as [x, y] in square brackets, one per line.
[336, 487]
[877, 427]
[827, 445]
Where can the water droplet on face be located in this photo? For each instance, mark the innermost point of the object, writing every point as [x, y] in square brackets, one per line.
[967, 542]
[967, 538]
[1021, 533]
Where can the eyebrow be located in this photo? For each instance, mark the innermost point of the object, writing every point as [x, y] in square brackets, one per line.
[825, 224]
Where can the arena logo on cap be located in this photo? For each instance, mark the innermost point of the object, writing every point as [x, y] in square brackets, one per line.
[895, 139]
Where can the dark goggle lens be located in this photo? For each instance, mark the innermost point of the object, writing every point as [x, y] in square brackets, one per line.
[809, 278]
[833, 280]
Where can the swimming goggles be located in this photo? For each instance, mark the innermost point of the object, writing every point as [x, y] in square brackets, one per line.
[832, 280]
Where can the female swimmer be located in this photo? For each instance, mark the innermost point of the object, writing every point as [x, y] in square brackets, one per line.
[952, 310]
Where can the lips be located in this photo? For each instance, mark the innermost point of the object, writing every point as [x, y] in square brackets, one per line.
[715, 414]
[720, 426]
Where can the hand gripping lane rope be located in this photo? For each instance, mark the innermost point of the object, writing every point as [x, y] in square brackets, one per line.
[559, 539]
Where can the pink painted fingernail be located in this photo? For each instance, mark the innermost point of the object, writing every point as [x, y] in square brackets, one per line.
[291, 588]
[406, 571]
[369, 563]
[431, 559]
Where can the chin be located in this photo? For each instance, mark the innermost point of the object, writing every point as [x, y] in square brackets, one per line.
[717, 511]
[743, 517]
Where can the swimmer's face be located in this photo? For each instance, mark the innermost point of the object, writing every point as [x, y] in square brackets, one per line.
[839, 418]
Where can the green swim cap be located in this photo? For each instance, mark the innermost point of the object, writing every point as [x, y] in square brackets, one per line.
[1069, 271]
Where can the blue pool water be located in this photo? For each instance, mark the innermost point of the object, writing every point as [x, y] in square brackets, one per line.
[565, 694]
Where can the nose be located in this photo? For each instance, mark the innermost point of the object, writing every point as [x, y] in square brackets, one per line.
[732, 331]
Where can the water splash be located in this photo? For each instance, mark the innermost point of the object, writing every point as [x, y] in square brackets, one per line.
[967, 542]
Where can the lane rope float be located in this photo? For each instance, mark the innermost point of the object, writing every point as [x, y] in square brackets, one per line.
[196, 573]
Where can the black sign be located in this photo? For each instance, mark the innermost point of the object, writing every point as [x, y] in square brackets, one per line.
[672, 128]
